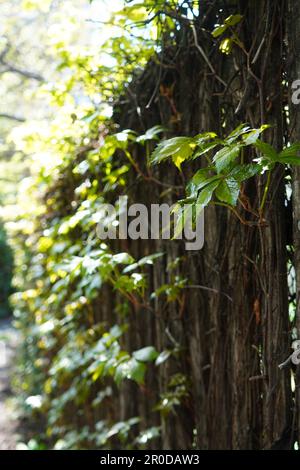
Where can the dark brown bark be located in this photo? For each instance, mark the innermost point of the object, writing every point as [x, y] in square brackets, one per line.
[235, 331]
[293, 60]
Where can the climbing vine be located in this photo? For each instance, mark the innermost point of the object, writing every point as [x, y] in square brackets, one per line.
[132, 344]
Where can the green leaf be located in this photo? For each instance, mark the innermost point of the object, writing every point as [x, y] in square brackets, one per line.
[289, 160]
[137, 371]
[151, 134]
[219, 30]
[237, 132]
[122, 369]
[147, 354]
[187, 214]
[122, 258]
[289, 155]
[243, 172]
[202, 138]
[251, 137]
[267, 150]
[204, 149]
[228, 191]
[130, 369]
[224, 157]
[290, 151]
[232, 20]
[115, 332]
[207, 193]
[226, 46]
[125, 135]
[163, 356]
[145, 436]
[129, 284]
[136, 13]
[180, 219]
[145, 260]
[200, 179]
[179, 158]
[175, 147]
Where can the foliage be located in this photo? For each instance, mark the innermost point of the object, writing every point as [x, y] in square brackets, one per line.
[6, 273]
[77, 353]
[225, 170]
[72, 362]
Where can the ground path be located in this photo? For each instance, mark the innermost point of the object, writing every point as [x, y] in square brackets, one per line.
[8, 419]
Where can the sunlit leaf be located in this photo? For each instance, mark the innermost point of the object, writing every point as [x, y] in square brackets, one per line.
[290, 155]
[266, 149]
[232, 20]
[228, 191]
[206, 193]
[162, 357]
[219, 30]
[175, 147]
[147, 354]
[224, 157]
[226, 45]
[151, 134]
[243, 172]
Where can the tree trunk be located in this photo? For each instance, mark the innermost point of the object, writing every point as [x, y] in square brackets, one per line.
[293, 61]
[234, 323]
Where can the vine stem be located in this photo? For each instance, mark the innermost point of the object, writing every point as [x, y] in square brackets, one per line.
[266, 190]
[244, 222]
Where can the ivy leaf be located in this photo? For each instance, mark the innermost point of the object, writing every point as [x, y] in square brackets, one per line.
[199, 180]
[122, 258]
[147, 354]
[237, 132]
[243, 172]
[251, 137]
[226, 46]
[228, 191]
[225, 156]
[130, 369]
[151, 134]
[147, 435]
[125, 136]
[163, 356]
[121, 370]
[207, 193]
[182, 215]
[137, 371]
[201, 138]
[179, 158]
[219, 30]
[82, 168]
[136, 13]
[232, 20]
[267, 150]
[175, 147]
[129, 284]
[204, 148]
[145, 260]
[289, 155]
